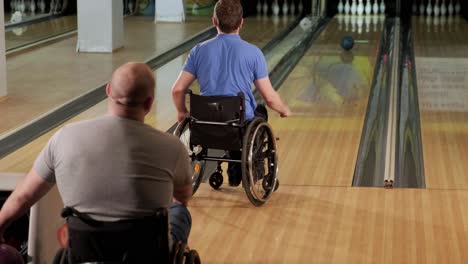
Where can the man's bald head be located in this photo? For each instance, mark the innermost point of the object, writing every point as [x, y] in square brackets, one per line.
[132, 84]
[131, 91]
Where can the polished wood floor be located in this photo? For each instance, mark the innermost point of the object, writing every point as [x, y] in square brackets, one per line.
[442, 68]
[56, 73]
[37, 32]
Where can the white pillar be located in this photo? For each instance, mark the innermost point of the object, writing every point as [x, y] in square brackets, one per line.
[100, 25]
[170, 11]
[3, 82]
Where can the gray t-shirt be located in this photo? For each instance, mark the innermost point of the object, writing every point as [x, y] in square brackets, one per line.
[113, 168]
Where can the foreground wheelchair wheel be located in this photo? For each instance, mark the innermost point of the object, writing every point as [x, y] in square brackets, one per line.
[182, 131]
[259, 162]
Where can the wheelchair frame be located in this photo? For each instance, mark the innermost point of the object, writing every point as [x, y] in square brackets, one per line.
[255, 131]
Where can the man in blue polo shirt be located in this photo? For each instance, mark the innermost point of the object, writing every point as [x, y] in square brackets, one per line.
[226, 65]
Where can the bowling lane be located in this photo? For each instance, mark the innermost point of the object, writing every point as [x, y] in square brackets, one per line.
[441, 53]
[30, 34]
[327, 93]
[42, 79]
[256, 31]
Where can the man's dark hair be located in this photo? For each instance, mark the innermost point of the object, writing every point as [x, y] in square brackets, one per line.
[229, 14]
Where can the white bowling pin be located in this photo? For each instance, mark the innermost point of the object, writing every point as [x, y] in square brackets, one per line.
[360, 8]
[259, 7]
[265, 7]
[414, 8]
[293, 8]
[457, 8]
[353, 7]
[285, 7]
[375, 7]
[443, 9]
[276, 8]
[450, 8]
[368, 7]
[130, 6]
[421, 8]
[429, 9]
[300, 7]
[340, 7]
[436, 8]
[382, 7]
[42, 6]
[347, 7]
[32, 6]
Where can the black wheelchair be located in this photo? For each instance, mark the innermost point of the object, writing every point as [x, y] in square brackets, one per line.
[218, 123]
[148, 243]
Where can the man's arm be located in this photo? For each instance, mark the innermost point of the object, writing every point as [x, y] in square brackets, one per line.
[271, 97]
[183, 193]
[179, 89]
[27, 193]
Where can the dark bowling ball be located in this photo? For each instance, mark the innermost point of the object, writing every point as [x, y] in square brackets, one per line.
[347, 43]
[9, 255]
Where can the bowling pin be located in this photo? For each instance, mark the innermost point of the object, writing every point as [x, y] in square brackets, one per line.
[382, 7]
[32, 6]
[360, 8]
[301, 7]
[436, 8]
[347, 7]
[293, 7]
[414, 8]
[130, 7]
[259, 7]
[457, 8]
[276, 8]
[285, 7]
[429, 8]
[353, 7]
[368, 7]
[375, 7]
[450, 8]
[340, 7]
[421, 8]
[265, 7]
[443, 9]
[42, 6]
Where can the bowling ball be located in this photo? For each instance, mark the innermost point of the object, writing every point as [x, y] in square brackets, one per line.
[9, 255]
[347, 43]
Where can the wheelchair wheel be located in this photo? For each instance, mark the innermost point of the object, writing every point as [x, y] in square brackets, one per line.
[192, 257]
[216, 180]
[259, 162]
[182, 131]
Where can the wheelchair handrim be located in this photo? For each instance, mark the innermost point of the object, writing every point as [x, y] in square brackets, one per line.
[271, 142]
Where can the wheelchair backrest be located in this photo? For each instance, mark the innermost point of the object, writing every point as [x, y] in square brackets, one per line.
[128, 241]
[217, 121]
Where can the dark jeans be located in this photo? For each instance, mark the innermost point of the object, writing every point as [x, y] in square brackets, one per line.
[131, 241]
[234, 168]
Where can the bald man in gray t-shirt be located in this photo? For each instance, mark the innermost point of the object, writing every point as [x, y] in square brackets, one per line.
[113, 167]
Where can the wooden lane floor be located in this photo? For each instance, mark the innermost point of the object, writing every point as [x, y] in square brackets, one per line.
[163, 115]
[44, 78]
[327, 93]
[37, 32]
[317, 224]
[442, 75]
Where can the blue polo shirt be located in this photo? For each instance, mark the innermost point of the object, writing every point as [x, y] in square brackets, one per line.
[226, 65]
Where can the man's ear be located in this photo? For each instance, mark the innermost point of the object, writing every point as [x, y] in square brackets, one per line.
[215, 21]
[241, 24]
[148, 103]
[108, 89]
